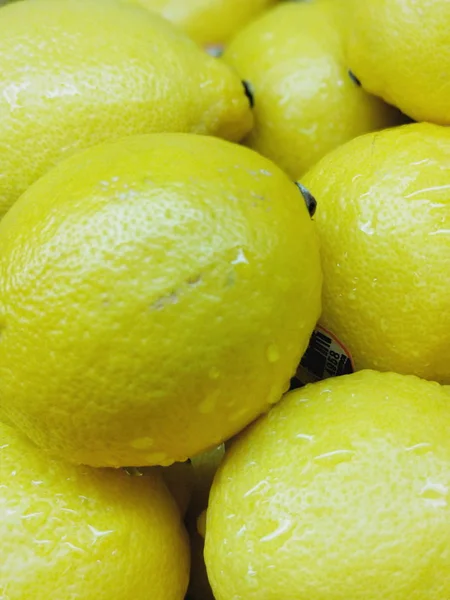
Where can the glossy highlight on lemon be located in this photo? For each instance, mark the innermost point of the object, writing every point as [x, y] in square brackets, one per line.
[156, 295]
[384, 227]
[306, 102]
[341, 491]
[74, 532]
[75, 73]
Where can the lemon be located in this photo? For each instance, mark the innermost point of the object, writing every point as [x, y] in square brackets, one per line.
[208, 22]
[199, 586]
[70, 532]
[179, 479]
[399, 50]
[189, 482]
[341, 491]
[306, 102]
[204, 466]
[384, 224]
[76, 73]
[156, 294]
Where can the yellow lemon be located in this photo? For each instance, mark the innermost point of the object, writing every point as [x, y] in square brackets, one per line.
[384, 224]
[306, 102]
[399, 50]
[179, 479]
[204, 467]
[341, 491]
[199, 586]
[70, 532]
[156, 294]
[76, 73]
[209, 22]
[189, 482]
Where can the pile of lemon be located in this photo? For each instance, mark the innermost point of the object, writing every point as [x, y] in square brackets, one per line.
[205, 204]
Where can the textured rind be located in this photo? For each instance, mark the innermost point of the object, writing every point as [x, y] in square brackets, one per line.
[384, 227]
[306, 103]
[71, 532]
[156, 295]
[341, 491]
[416, 34]
[76, 73]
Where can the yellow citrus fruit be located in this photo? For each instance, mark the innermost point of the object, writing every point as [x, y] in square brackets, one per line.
[156, 294]
[76, 73]
[179, 479]
[74, 532]
[4, 418]
[305, 100]
[199, 586]
[189, 482]
[204, 466]
[341, 491]
[384, 224]
[208, 22]
[399, 50]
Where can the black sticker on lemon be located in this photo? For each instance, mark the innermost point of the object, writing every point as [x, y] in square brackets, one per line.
[325, 357]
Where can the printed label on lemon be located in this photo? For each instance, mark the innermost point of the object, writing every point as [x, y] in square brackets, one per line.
[325, 357]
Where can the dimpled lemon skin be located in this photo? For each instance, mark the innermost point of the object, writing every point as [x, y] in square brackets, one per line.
[384, 226]
[70, 532]
[341, 491]
[208, 21]
[306, 103]
[76, 73]
[416, 34]
[156, 295]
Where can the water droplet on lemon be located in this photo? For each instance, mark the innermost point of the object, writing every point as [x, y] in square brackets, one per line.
[273, 354]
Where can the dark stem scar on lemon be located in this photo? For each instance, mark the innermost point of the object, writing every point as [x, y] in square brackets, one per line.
[249, 92]
[310, 201]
